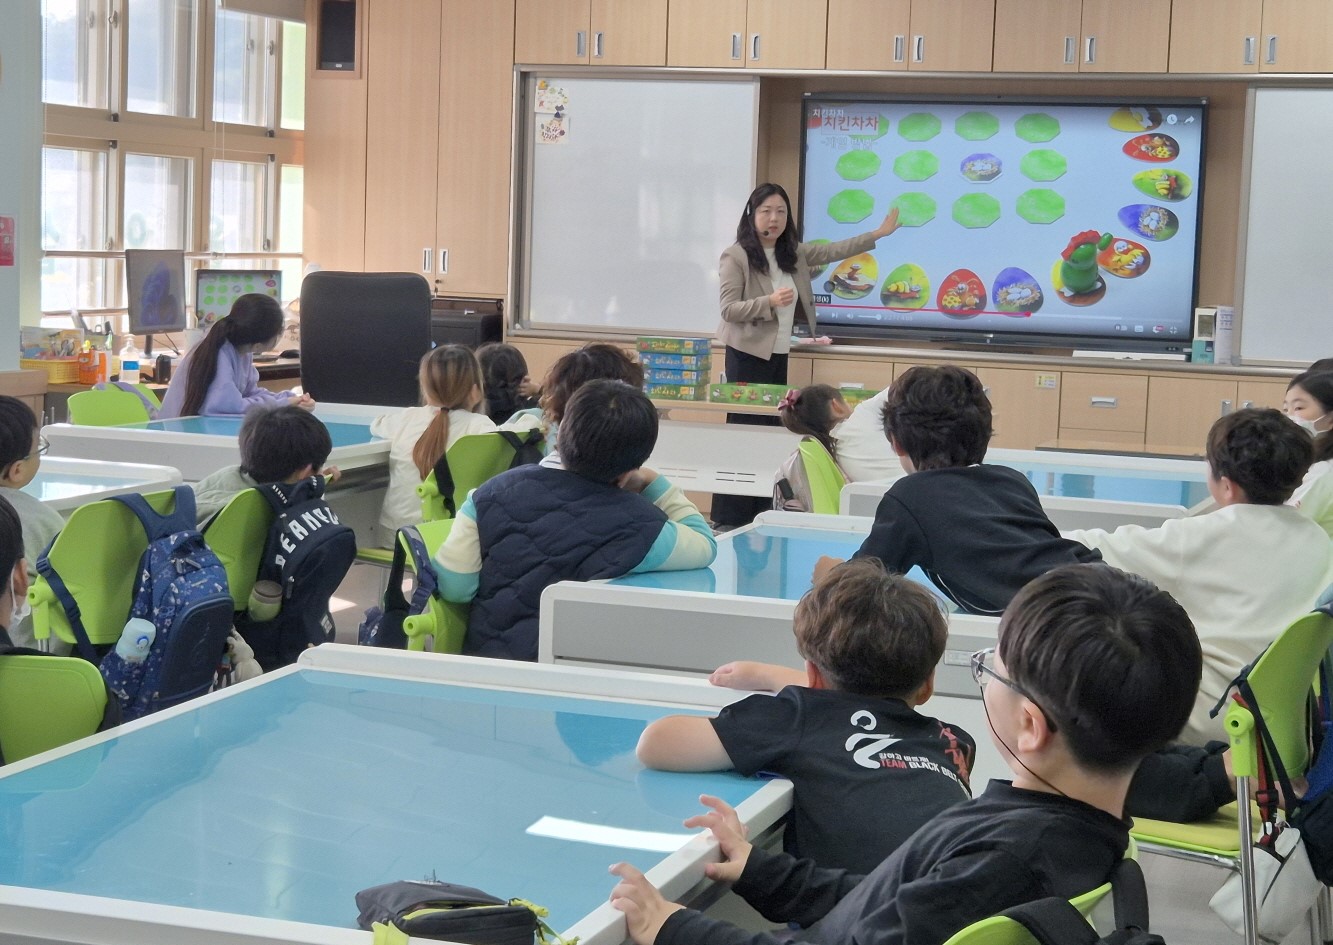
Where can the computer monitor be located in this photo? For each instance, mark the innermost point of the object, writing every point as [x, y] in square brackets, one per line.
[155, 282]
[216, 289]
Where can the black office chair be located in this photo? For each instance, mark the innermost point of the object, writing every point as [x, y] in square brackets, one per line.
[362, 336]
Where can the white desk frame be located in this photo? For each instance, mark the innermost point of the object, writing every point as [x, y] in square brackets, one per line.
[139, 478]
[735, 459]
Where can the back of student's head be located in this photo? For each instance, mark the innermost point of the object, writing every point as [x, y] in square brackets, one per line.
[450, 378]
[596, 361]
[17, 426]
[608, 429]
[938, 416]
[254, 319]
[871, 632]
[503, 368]
[1262, 451]
[809, 412]
[277, 442]
[1113, 661]
[11, 542]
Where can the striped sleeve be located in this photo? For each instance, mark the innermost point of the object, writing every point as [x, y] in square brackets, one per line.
[686, 541]
[458, 562]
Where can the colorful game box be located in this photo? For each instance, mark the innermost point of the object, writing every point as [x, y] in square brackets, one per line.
[676, 391]
[676, 362]
[669, 376]
[768, 394]
[696, 346]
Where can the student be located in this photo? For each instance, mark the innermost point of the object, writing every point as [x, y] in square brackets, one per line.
[978, 531]
[505, 375]
[21, 449]
[1309, 404]
[601, 516]
[845, 731]
[863, 452]
[1095, 668]
[595, 361]
[812, 413]
[1244, 571]
[278, 444]
[217, 377]
[451, 392]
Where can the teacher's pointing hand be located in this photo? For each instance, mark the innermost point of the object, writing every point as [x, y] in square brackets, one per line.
[888, 226]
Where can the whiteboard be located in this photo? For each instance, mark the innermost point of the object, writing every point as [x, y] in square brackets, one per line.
[627, 212]
[1288, 231]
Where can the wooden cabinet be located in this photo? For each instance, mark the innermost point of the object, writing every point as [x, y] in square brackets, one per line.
[1297, 36]
[951, 35]
[761, 34]
[873, 375]
[1025, 406]
[1215, 35]
[1082, 35]
[1181, 409]
[1260, 393]
[1103, 407]
[591, 32]
[1037, 35]
[437, 200]
[868, 35]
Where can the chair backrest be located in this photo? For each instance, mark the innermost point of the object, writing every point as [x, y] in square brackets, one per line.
[472, 460]
[1001, 930]
[1281, 680]
[443, 621]
[106, 408]
[46, 701]
[826, 479]
[363, 335]
[237, 535]
[97, 556]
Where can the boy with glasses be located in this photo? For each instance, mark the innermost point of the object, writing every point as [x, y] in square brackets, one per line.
[21, 449]
[1095, 669]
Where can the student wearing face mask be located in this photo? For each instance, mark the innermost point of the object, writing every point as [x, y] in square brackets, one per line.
[14, 586]
[21, 449]
[1309, 402]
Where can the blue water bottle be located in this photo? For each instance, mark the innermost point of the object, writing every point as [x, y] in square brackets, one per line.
[136, 640]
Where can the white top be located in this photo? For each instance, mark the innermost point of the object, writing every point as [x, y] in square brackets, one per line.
[786, 314]
[1316, 471]
[402, 505]
[864, 452]
[1243, 573]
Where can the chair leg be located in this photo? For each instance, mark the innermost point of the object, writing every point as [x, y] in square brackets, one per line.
[1248, 898]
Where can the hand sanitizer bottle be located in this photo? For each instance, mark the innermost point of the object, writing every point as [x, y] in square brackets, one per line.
[129, 361]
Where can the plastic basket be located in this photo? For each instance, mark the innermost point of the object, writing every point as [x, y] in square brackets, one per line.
[58, 370]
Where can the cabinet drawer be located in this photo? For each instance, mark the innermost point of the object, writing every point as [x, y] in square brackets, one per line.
[872, 375]
[1104, 402]
[1075, 440]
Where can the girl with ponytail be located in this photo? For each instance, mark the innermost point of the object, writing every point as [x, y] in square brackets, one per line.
[451, 393]
[217, 377]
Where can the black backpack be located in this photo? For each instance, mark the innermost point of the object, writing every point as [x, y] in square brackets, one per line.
[307, 552]
[1055, 921]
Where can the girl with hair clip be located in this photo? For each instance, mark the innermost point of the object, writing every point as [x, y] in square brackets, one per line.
[813, 412]
[217, 377]
[451, 393]
[508, 387]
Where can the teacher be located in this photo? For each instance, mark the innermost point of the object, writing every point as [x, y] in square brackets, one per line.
[765, 279]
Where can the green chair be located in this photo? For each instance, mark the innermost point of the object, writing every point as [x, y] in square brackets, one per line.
[444, 622]
[106, 408]
[149, 394]
[826, 479]
[468, 463]
[237, 535]
[47, 701]
[1282, 680]
[1000, 930]
[97, 556]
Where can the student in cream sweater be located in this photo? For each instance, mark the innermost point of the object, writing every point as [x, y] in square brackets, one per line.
[1244, 571]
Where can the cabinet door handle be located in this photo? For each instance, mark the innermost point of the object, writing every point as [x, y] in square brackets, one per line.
[444, 262]
[1090, 49]
[918, 48]
[597, 45]
[427, 258]
[900, 48]
[1108, 402]
[1247, 404]
[581, 44]
[1070, 47]
[736, 40]
[1226, 408]
[1271, 58]
[754, 47]
[1250, 42]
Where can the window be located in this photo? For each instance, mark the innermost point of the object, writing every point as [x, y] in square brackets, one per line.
[75, 52]
[157, 202]
[74, 217]
[160, 62]
[243, 72]
[293, 76]
[237, 205]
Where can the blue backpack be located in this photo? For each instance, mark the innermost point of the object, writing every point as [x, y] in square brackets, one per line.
[383, 626]
[182, 591]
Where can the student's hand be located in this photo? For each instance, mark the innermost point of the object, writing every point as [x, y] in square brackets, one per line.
[753, 676]
[645, 909]
[784, 296]
[888, 226]
[305, 402]
[824, 565]
[730, 835]
[636, 480]
[331, 473]
[529, 388]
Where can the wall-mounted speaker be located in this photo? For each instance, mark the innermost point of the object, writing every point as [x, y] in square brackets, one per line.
[337, 35]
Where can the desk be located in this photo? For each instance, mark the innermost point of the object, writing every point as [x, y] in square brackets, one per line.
[65, 484]
[1082, 491]
[1111, 448]
[736, 459]
[253, 815]
[665, 407]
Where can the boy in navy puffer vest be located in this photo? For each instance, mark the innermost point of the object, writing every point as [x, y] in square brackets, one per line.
[601, 516]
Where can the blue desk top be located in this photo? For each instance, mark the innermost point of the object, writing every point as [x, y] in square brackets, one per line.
[1124, 486]
[284, 800]
[345, 431]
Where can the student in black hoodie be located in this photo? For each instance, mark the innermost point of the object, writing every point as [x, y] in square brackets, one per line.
[1095, 669]
[978, 531]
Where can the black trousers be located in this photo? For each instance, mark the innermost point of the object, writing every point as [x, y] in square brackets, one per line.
[737, 510]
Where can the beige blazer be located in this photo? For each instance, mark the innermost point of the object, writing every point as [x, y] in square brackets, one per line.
[748, 321]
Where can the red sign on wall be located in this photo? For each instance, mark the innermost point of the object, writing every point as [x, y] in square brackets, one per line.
[7, 227]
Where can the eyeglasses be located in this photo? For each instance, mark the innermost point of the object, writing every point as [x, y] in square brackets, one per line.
[981, 668]
[42, 446]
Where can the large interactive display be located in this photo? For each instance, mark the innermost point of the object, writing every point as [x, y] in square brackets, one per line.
[1029, 222]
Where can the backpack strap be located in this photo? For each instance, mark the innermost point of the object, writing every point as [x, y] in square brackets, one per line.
[129, 388]
[425, 584]
[69, 605]
[444, 483]
[1056, 921]
[156, 524]
[527, 448]
[393, 593]
[1053, 921]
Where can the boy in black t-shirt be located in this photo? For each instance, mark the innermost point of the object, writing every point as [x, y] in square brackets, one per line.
[1095, 669]
[867, 768]
[978, 531]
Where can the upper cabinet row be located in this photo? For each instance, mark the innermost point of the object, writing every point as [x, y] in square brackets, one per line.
[1101, 36]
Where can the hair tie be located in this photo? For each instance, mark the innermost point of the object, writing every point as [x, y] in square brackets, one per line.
[790, 399]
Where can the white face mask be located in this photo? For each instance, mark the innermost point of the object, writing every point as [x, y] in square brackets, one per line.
[1308, 425]
[21, 607]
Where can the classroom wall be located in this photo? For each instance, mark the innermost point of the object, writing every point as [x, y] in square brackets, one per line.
[20, 182]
